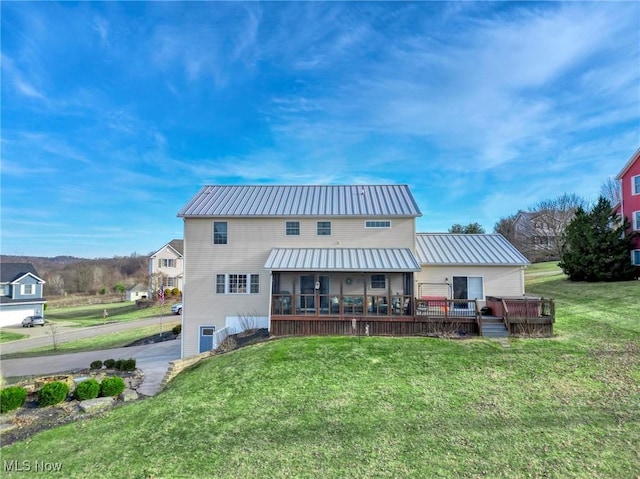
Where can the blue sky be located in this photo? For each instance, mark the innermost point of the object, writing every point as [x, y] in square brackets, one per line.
[115, 114]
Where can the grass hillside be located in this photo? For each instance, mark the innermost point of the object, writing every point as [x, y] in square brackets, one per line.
[388, 407]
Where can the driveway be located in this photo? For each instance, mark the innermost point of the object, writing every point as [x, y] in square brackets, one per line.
[152, 359]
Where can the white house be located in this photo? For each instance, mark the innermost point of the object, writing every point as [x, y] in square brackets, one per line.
[166, 267]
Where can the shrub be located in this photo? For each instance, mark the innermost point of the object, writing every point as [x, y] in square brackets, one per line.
[52, 393]
[88, 389]
[111, 386]
[96, 365]
[118, 364]
[127, 364]
[177, 329]
[110, 363]
[167, 293]
[175, 292]
[12, 398]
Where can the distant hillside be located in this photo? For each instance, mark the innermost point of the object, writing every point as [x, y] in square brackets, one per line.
[40, 260]
[69, 274]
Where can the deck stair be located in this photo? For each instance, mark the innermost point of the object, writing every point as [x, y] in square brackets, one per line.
[494, 327]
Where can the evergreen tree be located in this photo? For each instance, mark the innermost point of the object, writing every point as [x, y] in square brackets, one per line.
[471, 228]
[596, 248]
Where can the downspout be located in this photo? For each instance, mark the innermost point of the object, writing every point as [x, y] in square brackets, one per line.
[270, 299]
[184, 282]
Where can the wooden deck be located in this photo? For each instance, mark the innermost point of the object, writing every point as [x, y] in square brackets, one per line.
[417, 317]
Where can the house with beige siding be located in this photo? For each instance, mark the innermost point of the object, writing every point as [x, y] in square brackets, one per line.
[468, 266]
[339, 259]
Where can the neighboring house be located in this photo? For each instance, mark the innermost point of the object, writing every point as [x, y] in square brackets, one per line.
[138, 291]
[538, 234]
[629, 207]
[468, 266]
[166, 267]
[324, 260]
[21, 292]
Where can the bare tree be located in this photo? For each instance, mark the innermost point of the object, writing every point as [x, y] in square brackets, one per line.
[611, 190]
[53, 332]
[539, 231]
[55, 284]
[507, 228]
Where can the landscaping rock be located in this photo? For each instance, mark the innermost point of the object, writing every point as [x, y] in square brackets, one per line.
[96, 405]
[6, 426]
[128, 395]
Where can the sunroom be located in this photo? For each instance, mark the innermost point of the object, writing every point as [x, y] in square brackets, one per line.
[339, 282]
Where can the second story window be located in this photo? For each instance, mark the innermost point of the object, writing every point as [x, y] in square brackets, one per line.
[323, 228]
[27, 289]
[636, 220]
[293, 228]
[167, 263]
[219, 232]
[635, 185]
[377, 224]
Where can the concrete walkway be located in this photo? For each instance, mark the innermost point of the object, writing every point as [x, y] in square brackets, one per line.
[152, 359]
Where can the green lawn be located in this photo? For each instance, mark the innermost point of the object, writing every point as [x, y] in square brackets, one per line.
[91, 315]
[116, 339]
[566, 407]
[6, 336]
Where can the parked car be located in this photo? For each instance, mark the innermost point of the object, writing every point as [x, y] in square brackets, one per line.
[31, 321]
[176, 308]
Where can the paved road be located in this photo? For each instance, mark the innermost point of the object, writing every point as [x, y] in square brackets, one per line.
[152, 359]
[41, 336]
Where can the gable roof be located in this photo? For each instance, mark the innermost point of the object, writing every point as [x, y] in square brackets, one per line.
[631, 161]
[318, 200]
[467, 249]
[176, 244]
[138, 287]
[10, 272]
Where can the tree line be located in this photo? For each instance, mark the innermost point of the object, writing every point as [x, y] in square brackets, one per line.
[68, 274]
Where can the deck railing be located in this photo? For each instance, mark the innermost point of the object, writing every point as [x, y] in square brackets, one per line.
[288, 304]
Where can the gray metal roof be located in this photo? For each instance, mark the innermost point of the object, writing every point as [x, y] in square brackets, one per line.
[468, 249]
[342, 259]
[318, 200]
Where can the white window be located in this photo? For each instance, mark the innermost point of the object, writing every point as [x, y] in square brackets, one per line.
[167, 263]
[219, 232]
[4, 289]
[468, 287]
[377, 224]
[636, 220]
[292, 228]
[635, 257]
[323, 228]
[237, 283]
[170, 283]
[28, 289]
[378, 281]
[635, 185]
